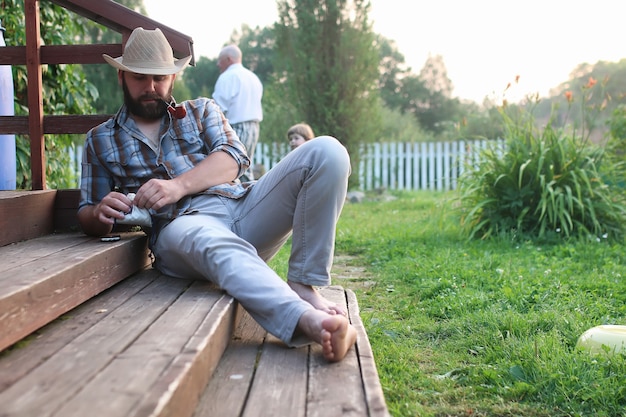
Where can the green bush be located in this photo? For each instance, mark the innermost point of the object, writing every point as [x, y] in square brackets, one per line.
[616, 147]
[547, 183]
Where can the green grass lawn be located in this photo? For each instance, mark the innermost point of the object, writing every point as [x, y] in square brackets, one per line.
[482, 328]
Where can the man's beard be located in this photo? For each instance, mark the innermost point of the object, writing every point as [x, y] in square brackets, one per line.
[146, 110]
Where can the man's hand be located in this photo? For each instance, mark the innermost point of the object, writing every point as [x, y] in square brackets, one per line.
[98, 220]
[157, 193]
[113, 206]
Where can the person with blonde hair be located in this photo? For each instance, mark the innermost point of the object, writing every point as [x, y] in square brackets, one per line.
[182, 167]
[298, 134]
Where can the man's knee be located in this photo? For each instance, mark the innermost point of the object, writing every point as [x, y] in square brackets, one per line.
[333, 153]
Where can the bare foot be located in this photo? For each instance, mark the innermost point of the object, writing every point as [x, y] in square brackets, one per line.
[333, 332]
[313, 297]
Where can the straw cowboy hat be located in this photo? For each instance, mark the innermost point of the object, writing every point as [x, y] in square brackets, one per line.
[148, 52]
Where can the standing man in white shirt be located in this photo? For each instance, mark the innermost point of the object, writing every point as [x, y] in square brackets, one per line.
[238, 91]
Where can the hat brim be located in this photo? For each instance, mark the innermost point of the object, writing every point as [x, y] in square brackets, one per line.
[177, 66]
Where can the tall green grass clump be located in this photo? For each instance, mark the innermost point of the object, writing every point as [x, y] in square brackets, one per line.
[547, 182]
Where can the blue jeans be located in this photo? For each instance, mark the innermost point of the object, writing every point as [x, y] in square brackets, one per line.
[228, 241]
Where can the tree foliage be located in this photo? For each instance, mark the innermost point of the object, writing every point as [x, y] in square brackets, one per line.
[258, 48]
[328, 52]
[199, 79]
[393, 71]
[480, 123]
[426, 96]
[435, 108]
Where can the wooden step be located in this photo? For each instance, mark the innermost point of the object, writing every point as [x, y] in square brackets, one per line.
[45, 277]
[258, 376]
[145, 347]
[26, 215]
[29, 214]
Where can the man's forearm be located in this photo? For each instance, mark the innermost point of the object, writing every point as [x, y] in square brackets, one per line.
[217, 168]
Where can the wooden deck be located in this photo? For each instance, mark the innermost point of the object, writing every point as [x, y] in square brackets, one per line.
[151, 344]
[259, 376]
[145, 347]
[89, 328]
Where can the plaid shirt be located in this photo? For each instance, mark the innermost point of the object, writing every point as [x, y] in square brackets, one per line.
[117, 156]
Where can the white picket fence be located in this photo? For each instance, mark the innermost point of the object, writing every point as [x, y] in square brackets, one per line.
[393, 166]
[418, 166]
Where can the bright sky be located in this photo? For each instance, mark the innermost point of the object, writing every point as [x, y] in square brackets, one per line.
[485, 44]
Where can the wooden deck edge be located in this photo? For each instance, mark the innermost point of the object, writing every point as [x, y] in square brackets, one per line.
[26, 215]
[179, 390]
[31, 307]
[371, 380]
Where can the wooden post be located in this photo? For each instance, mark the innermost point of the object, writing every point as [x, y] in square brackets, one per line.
[35, 95]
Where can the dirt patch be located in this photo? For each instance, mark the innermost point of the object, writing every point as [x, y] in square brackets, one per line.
[348, 273]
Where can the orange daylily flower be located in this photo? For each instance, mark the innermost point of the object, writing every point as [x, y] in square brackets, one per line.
[592, 81]
[569, 96]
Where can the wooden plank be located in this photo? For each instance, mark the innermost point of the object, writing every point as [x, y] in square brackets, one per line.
[25, 215]
[279, 387]
[19, 255]
[13, 125]
[151, 354]
[78, 54]
[53, 124]
[33, 262]
[62, 54]
[77, 124]
[35, 95]
[371, 382]
[67, 199]
[41, 290]
[146, 371]
[49, 340]
[233, 376]
[122, 19]
[335, 389]
[13, 55]
[178, 389]
[52, 384]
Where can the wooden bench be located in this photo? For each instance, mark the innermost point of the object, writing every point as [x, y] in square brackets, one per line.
[89, 328]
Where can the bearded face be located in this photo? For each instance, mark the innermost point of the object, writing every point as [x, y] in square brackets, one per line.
[147, 106]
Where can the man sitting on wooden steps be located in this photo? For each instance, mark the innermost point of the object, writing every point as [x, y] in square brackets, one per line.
[182, 162]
